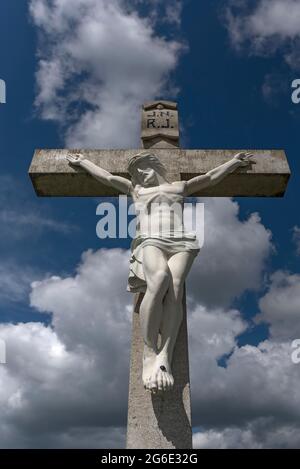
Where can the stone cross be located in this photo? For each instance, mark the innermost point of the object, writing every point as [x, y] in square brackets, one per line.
[160, 420]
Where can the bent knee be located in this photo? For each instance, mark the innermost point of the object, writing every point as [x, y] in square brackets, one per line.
[178, 287]
[159, 280]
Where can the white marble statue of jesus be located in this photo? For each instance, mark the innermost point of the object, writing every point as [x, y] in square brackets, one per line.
[162, 251]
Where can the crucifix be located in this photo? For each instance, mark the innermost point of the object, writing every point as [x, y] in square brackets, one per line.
[157, 176]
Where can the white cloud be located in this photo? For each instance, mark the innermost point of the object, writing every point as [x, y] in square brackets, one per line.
[15, 281]
[94, 301]
[266, 27]
[78, 388]
[52, 396]
[253, 402]
[275, 84]
[67, 385]
[213, 332]
[174, 12]
[99, 61]
[261, 434]
[20, 218]
[233, 257]
[226, 439]
[257, 383]
[280, 306]
[74, 374]
[20, 225]
[296, 238]
[161, 11]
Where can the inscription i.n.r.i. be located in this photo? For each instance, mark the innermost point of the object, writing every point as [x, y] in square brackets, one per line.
[159, 120]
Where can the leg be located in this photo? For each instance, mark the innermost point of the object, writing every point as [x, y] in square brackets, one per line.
[179, 265]
[157, 277]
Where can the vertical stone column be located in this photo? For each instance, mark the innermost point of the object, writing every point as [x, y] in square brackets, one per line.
[160, 421]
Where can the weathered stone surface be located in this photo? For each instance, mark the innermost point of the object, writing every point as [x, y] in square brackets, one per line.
[159, 421]
[51, 174]
[160, 124]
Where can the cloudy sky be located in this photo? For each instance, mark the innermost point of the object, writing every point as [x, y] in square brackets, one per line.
[77, 72]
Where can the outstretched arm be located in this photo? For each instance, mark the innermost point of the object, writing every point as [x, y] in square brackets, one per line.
[214, 176]
[121, 184]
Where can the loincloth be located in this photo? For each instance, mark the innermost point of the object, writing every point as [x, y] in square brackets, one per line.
[169, 245]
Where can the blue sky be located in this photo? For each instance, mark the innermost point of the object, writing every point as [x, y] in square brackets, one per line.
[232, 80]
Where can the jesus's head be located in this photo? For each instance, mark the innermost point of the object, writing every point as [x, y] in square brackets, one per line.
[146, 169]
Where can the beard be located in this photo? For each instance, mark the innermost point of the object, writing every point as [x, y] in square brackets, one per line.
[149, 179]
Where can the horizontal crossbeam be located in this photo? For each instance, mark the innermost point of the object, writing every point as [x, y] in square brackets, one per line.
[51, 174]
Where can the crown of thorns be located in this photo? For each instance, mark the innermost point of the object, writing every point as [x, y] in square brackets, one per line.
[143, 156]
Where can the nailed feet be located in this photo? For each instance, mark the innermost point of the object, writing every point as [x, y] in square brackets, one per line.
[157, 373]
